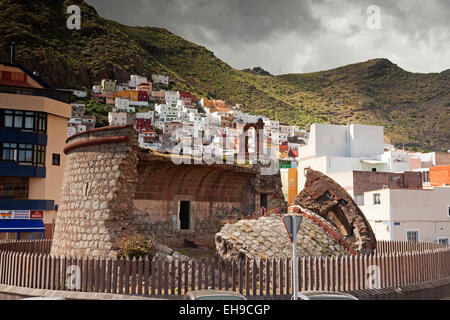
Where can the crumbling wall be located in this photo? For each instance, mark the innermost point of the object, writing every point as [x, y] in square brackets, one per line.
[216, 193]
[323, 196]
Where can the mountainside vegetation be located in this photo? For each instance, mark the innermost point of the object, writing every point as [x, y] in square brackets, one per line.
[413, 108]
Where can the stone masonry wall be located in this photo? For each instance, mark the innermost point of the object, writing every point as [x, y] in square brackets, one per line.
[97, 193]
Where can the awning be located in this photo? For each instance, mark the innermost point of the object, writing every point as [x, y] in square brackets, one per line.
[16, 225]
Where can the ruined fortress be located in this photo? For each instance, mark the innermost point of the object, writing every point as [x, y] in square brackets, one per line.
[111, 187]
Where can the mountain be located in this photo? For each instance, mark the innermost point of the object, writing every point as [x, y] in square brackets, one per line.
[413, 108]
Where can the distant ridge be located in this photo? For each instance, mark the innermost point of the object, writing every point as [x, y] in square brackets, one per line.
[413, 108]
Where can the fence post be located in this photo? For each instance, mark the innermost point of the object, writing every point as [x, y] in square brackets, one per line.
[254, 270]
[179, 267]
[193, 275]
[274, 277]
[147, 274]
[267, 276]
[261, 274]
[288, 276]
[199, 272]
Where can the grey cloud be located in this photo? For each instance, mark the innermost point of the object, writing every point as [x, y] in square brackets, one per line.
[300, 35]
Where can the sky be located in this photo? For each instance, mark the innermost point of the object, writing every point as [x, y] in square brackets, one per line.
[298, 36]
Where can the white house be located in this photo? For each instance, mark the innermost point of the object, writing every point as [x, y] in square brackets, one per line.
[156, 78]
[80, 93]
[97, 89]
[409, 215]
[338, 150]
[171, 97]
[123, 105]
[166, 112]
[121, 118]
[136, 80]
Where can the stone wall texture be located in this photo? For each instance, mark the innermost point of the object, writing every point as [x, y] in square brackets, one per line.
[97, 194]
[266, 237]
[112, 188]
[323, 196]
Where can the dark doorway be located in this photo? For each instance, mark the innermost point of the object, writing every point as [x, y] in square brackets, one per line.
[263, 200]
[184, 215]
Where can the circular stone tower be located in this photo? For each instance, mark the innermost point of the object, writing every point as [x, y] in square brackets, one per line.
[98, 191]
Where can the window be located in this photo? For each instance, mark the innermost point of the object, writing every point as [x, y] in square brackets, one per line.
[14, 187]
[448, 211]
[56, 159]
[374, 169]
[443, 241]
[24, 120]
[376, 199]
[25, 154]
[412, 236]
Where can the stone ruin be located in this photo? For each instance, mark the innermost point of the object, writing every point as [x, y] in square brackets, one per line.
[323, 196]
[332, 224]
[111, 188]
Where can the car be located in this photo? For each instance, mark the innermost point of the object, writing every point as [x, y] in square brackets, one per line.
[213, 295]
[324, 295]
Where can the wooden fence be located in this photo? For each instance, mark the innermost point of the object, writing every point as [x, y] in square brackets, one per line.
[404, 246]
[168, 276]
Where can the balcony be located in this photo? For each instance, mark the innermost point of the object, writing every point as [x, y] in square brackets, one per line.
[13, 204]
[15, 169]
[59, 95]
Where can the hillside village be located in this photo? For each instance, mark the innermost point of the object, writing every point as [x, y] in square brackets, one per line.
[355, 156]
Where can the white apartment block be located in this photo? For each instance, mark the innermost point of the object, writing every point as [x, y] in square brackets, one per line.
[156, 78]
[409, 215]
[338, 150]
[121, 118]
[136, 80]
[167, 112]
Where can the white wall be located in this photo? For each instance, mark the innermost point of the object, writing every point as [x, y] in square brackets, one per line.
[366, 141]
[422, 210]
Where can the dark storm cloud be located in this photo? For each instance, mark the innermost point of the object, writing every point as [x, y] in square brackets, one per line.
[300, 35]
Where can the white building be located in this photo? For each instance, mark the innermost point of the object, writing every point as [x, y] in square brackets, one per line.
[338, 150]
[122, 86]
[172, 97]
[138, 103]
[409, 215]
[71, 131]
[121, 118]
[79, 93]
[167, 112]
[97, 89]
[123, 105]
[156, 78]
[136, 80]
